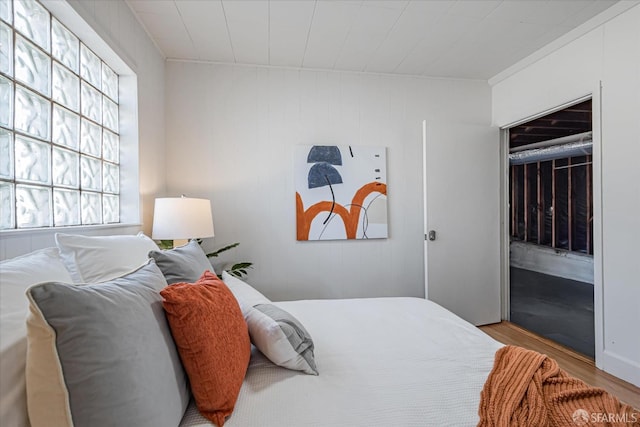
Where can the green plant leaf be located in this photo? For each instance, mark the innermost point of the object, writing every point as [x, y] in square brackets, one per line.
[239, 269]
[219, 251]
[165, 244]
[241, 265]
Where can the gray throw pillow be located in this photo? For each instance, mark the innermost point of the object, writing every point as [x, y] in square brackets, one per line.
[281, 338]
[183, 264]
[102, 355]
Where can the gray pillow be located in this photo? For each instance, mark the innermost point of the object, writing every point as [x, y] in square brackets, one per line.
[183, 264]
[108, 347]
[281, 338]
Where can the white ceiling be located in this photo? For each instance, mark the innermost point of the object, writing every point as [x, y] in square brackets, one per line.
[461, 39]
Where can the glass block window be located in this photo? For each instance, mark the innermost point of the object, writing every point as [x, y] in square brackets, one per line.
[59, 124]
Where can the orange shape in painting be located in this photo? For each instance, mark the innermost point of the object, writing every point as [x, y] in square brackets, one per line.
[350, 217]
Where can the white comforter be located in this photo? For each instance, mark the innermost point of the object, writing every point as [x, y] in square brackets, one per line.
[382, 362]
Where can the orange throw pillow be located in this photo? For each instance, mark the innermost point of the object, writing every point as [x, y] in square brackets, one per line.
[213, 341]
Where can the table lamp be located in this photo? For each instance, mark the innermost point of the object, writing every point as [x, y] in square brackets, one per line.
[181, 218]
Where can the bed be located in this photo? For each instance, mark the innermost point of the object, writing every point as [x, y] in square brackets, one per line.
[382, 361]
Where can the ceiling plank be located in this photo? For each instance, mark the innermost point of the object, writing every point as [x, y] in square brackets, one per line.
[329, 29]
[368, 32]
[156, 7]
[165, 25]
[177, 48]
[478, 9]
[594, 8]
[530, 11]
[207, 28]
[248, 23]
[441, 39]
[289, 24]
[412, 27]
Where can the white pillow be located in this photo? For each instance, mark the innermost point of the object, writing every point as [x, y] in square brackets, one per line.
[16, 275]
[93, 259]
[246, 295]
[276, 333]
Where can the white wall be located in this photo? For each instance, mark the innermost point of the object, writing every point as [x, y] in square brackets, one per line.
[114, 22]
[231, 132]
[611, 54]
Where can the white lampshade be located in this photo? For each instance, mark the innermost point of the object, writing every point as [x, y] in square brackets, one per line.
[177, 218]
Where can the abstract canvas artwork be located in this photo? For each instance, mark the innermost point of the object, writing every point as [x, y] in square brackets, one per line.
[341, 192]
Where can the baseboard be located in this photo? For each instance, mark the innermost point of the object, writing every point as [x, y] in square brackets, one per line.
[621, 367]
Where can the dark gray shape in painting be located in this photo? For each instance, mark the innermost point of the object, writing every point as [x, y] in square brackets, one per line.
[325, 153]
[322, 174]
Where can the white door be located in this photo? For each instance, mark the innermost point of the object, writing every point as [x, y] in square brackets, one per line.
[462, 207]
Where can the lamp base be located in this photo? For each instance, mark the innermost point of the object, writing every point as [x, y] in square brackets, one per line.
[180, 242]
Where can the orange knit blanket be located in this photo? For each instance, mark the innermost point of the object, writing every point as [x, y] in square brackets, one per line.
[526, 388]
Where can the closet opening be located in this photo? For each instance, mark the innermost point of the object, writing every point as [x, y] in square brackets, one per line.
[551, 226]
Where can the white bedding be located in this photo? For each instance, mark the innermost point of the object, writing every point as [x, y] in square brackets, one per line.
[382, 361]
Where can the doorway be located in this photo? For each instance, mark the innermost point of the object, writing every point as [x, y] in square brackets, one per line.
[550, 214]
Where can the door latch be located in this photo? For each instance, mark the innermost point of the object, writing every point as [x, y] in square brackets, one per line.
[432, 235]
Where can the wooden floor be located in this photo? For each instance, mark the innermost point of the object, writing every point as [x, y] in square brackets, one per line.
[573, 363]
